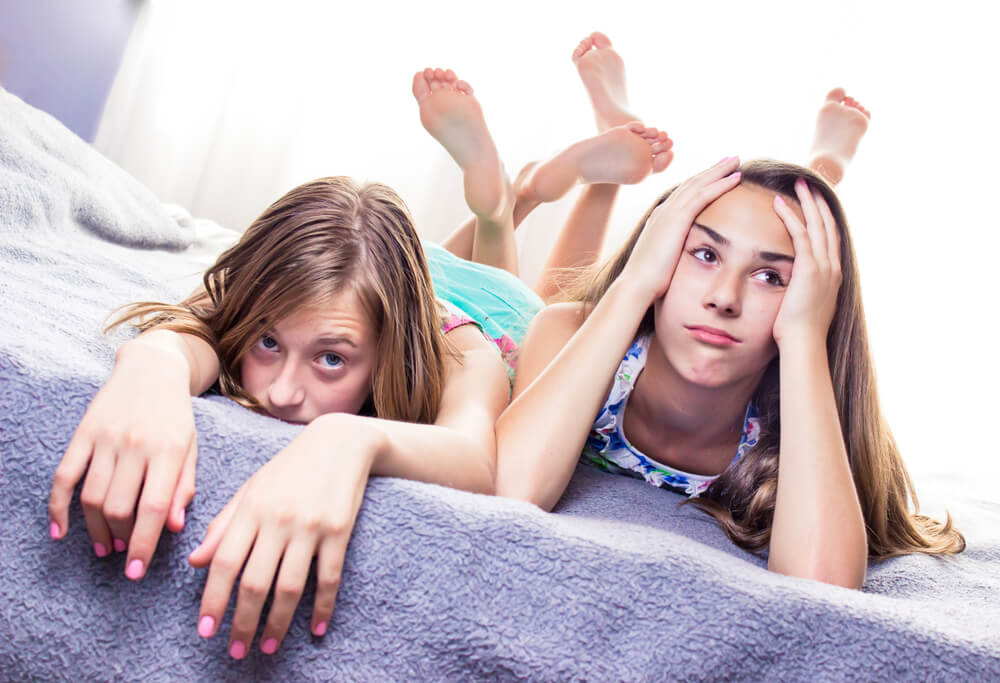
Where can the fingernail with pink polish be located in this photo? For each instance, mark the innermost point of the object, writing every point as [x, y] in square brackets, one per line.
[237, 650]
[269, 646]
[779, 199]
[54, 530]
[319, 629]
[100, 550]
[205, 626]
[134, 570]
[119, 545]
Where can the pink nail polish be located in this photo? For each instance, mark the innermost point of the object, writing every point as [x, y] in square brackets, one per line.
[319, 629]
[100, 550]
[205, 626]
[54, 530]
[134, 570]
[237, 650]
[119, 545]
[779, 199]
[269, 646]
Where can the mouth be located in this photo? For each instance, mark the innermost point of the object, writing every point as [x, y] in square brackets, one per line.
[712, 335]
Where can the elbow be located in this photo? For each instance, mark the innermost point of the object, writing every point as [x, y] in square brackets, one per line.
[519, 487]
[845, 570]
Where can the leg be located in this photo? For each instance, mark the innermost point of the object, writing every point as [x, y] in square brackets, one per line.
[579, 243]
[450, 113]
[840, 125]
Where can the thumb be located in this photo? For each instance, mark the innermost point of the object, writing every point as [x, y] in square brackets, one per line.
[203, 554]
[184, 492]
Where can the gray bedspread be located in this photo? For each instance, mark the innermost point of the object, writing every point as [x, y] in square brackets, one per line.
[619, 584]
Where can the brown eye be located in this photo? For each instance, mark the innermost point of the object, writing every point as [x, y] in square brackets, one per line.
[705, 255]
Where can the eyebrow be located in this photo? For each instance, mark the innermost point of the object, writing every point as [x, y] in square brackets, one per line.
[766, 255]
[333, 341]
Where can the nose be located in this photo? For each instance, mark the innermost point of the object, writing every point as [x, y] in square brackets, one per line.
[725, 295]
[286, 391]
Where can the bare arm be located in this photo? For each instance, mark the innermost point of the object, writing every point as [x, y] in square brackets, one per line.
[818, 530]
[459, 449]
[541, 434]
[202, 363]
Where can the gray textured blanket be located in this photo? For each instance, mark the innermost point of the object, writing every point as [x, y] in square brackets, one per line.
[438, 584]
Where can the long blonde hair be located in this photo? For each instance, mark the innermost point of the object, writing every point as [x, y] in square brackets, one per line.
[321, 238]
[742, 498]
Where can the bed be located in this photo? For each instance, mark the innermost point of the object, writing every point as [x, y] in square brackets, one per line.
[619, 583]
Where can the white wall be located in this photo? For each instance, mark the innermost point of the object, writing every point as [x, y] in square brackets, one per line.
[224, 106]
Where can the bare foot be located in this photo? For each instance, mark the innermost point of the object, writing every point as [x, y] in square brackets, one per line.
[623, 155]
[453, 117]
[603, 74]
[840, 125]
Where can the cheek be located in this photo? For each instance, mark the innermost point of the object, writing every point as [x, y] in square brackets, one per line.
[347, 395]
[253, 375]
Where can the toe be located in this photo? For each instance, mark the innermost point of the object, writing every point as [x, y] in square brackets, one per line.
[661, 161]
[463, 87]
[836, 95]
[601, 41]
[450, 76]
[420, 88]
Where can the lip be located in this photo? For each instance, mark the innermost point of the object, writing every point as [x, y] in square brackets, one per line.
[712, 335]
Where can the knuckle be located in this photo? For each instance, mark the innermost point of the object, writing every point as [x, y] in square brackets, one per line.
[333, 527]
[287, 590]
[91, 501]
[227, 565]
[328, 584]
[253, 589]
[156, 507]
[63, 479]
[116, 511]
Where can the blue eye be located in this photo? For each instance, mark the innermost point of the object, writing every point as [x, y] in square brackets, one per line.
[332, 360]
[268, 343]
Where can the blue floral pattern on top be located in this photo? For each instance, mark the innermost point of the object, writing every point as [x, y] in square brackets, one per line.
[608, 449]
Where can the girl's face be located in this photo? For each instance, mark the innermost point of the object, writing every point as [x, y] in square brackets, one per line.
[316, 361]
[715, 322]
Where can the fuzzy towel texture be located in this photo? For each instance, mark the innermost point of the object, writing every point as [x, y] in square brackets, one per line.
[438, 584]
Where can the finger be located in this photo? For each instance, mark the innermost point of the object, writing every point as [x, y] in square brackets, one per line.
[92, 496]
[122, 494]
[226, 564]
[712, 191]
[287, 592]
[329, 565]
[68, 474]
[157, 492]
[832, 234]
[203, 554]
[720, 169]
[814, 223]
[255, 584]
[184, 492]
[797, 231]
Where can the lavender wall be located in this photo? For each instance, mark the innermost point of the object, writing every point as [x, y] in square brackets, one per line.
[62, 56]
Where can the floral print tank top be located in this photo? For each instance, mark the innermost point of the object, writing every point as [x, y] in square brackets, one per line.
[608, 449]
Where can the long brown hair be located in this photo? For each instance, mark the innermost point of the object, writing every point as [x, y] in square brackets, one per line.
[742, 498]
[321, 238]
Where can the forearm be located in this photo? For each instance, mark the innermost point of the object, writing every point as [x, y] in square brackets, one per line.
[541, 434]
[818, 529]
[198, 356]
[430, 453]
